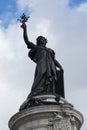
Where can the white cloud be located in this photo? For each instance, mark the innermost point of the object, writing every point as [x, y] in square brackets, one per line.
[22, 4]
[83, 8]
[5, 49]
[66, 31]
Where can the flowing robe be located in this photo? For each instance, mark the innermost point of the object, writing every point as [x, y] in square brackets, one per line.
[46, 74]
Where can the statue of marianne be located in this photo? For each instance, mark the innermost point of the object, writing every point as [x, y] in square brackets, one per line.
[48, 79]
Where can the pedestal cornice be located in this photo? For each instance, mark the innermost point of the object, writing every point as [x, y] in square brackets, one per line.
[43, 115]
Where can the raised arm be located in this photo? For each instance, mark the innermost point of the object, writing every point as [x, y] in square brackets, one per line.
[28, 43]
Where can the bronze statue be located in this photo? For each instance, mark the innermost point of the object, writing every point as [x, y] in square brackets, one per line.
[48, 77]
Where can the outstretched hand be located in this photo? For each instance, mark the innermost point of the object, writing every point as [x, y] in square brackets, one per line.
[23, 26]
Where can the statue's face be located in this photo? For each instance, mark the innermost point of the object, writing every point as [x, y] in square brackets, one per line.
[42, 41]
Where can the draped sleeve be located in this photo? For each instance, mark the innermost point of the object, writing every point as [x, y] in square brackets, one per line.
[32, 55]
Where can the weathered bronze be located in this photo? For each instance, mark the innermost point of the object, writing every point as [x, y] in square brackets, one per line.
[48, 77]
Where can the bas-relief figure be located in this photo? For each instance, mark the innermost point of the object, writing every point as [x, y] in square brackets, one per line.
[48, 77]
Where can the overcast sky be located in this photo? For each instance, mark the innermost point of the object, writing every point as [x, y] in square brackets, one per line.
[64, 23]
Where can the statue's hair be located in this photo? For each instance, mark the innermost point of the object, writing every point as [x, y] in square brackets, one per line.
[39, 38]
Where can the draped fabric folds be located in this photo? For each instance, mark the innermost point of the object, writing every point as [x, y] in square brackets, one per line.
[47, 78]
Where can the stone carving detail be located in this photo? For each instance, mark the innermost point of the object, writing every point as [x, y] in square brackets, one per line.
[58, 122]
[47, 117]
[73, 123]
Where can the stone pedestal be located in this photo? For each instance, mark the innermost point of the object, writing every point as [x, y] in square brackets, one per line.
[47, 117]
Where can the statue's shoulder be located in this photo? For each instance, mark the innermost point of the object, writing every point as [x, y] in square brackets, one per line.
[32, 54]
[51, 51]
